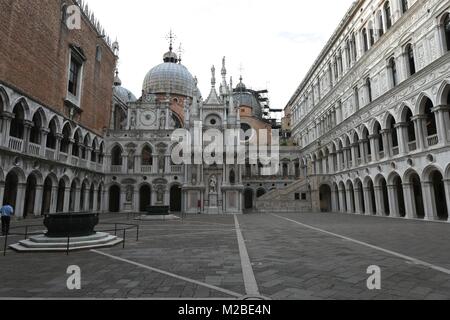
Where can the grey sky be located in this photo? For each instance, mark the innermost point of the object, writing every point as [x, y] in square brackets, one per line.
[275, 41]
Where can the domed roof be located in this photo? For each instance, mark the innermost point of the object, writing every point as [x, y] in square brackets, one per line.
[169, 77]
[122, 93]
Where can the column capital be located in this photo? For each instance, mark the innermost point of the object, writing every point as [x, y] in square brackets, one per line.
[373, 136]
[418, 117]
[442, 107]
[7, 115]
[400, 125]
[45, 130]
[28, 124]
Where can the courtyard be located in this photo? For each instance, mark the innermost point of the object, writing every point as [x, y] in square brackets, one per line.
[276, 256]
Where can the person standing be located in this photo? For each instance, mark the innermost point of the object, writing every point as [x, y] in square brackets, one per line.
[6, 212]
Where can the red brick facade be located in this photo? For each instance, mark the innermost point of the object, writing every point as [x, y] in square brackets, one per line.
[34, 59]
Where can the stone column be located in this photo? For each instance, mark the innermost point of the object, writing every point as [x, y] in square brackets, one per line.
[87, 200]
[20, 200]
[368, 202]
[334, 201]
[428, 201]
[27, 125]
[66, 207]
[77, 199]
[419, 130]
[342, 201]
[442, 121]
[387, 146]
[58, 138]
[2, 191]
[38, 200]
[402, 132]
[447, 195]
[95, 200]
[410, 204]
[54, 199]
[350, 198]
[393, 201]
[358, 201]
[345, 154]
[381, 211]
[44, 134]
[6, 127]
[374, 147]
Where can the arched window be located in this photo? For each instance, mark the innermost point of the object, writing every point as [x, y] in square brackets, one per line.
[364, 35]
[76, 145]
[431, 119]
[347, 52]
[369, 89]
[380, 24]
[93, 151]
[86, 143]
[232, 177]
[147, 158]
[447, 31]
[371, 34]
[35, 133]
[411, 60]
[66, 139]
[17, 123]
[353, 47]
[51, 137]
[393, 71]
[387, 11]
[116, 156]
[101, 153]
[405, 5]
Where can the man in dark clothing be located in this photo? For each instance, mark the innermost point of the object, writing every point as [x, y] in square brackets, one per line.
[6, 212]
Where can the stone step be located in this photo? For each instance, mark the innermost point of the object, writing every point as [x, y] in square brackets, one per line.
[19, 248]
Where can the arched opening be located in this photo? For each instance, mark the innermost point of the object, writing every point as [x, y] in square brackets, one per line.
[411, 138]
[343, 198]
[83, 196]
[325, 198]
[430, 124]
[30, 195]
[393, 71]
[380, 23]
[438, 193]
[51, 136]
[17, 128]
[371, 34]
[248, 199]
[85, 146]
[369, 89]
[359, 195]
[65, 141]
[175, 198]
[358, 151]
[410, 59]
[392, 135]
[367, 148]
[398, 191]
[377, 134]
[47, 196]
[388, 13]
[114, 199]
[414, 179]
[145, 197]
[116, 156]
[446, 27]
[72, 196]
[61, 194]
[232, 177]
[101, 153]
[404, 6]
[365, 41]
[35, 132]
[11, 185]
[76, 144]
[94, 150]
[384, 201]
[147, 157]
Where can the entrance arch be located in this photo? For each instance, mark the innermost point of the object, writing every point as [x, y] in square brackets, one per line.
[114, 199]
[175, 198]
[248, 199]
[30, 195]
[438, 195]
[47, 196]
[11, 186]
[145, 197]
[325, 198]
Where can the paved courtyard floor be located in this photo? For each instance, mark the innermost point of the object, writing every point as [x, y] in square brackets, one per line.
[278, 256]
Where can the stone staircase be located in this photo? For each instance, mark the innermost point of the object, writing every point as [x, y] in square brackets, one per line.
[287, 199]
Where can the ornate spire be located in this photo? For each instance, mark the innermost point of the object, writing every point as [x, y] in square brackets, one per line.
[213, 76]
[171, 37]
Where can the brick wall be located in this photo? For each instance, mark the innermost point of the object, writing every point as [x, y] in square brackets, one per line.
[34, 58]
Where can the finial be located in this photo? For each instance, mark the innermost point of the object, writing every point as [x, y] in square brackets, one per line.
[213, 78]
[171, 37]
[180, 52]
[231, 83]
[224, 69]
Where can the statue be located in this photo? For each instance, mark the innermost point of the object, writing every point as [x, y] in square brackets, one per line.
[213, 184]
[133, 120]
[129, 194]
[160, 194]
[161, 162]
[162, 121]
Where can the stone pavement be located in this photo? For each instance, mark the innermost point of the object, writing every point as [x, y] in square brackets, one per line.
[293, 256]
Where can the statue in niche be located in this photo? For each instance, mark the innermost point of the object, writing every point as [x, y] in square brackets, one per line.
[161, 162]
[131, 160]
[213, 184]
[160, 194]
[133, 120]
[129, 194]
[162, 121]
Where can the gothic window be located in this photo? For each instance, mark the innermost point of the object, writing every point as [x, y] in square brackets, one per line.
[387, 11]
[35, 133]
[51, 137]
[76, 145]
[447, 31]
[369, 89]
[405, 6]
[98, 54]
[116, 156]
[380, 24]
[17, 123]
[66, 139]
[74, 76]
[371, 34]
[393, 71]
[431, 128]
[364, 35]
[411, 60]
[147, 158]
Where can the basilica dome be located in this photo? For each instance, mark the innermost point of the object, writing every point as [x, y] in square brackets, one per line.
[169, 77]
[122, 93]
